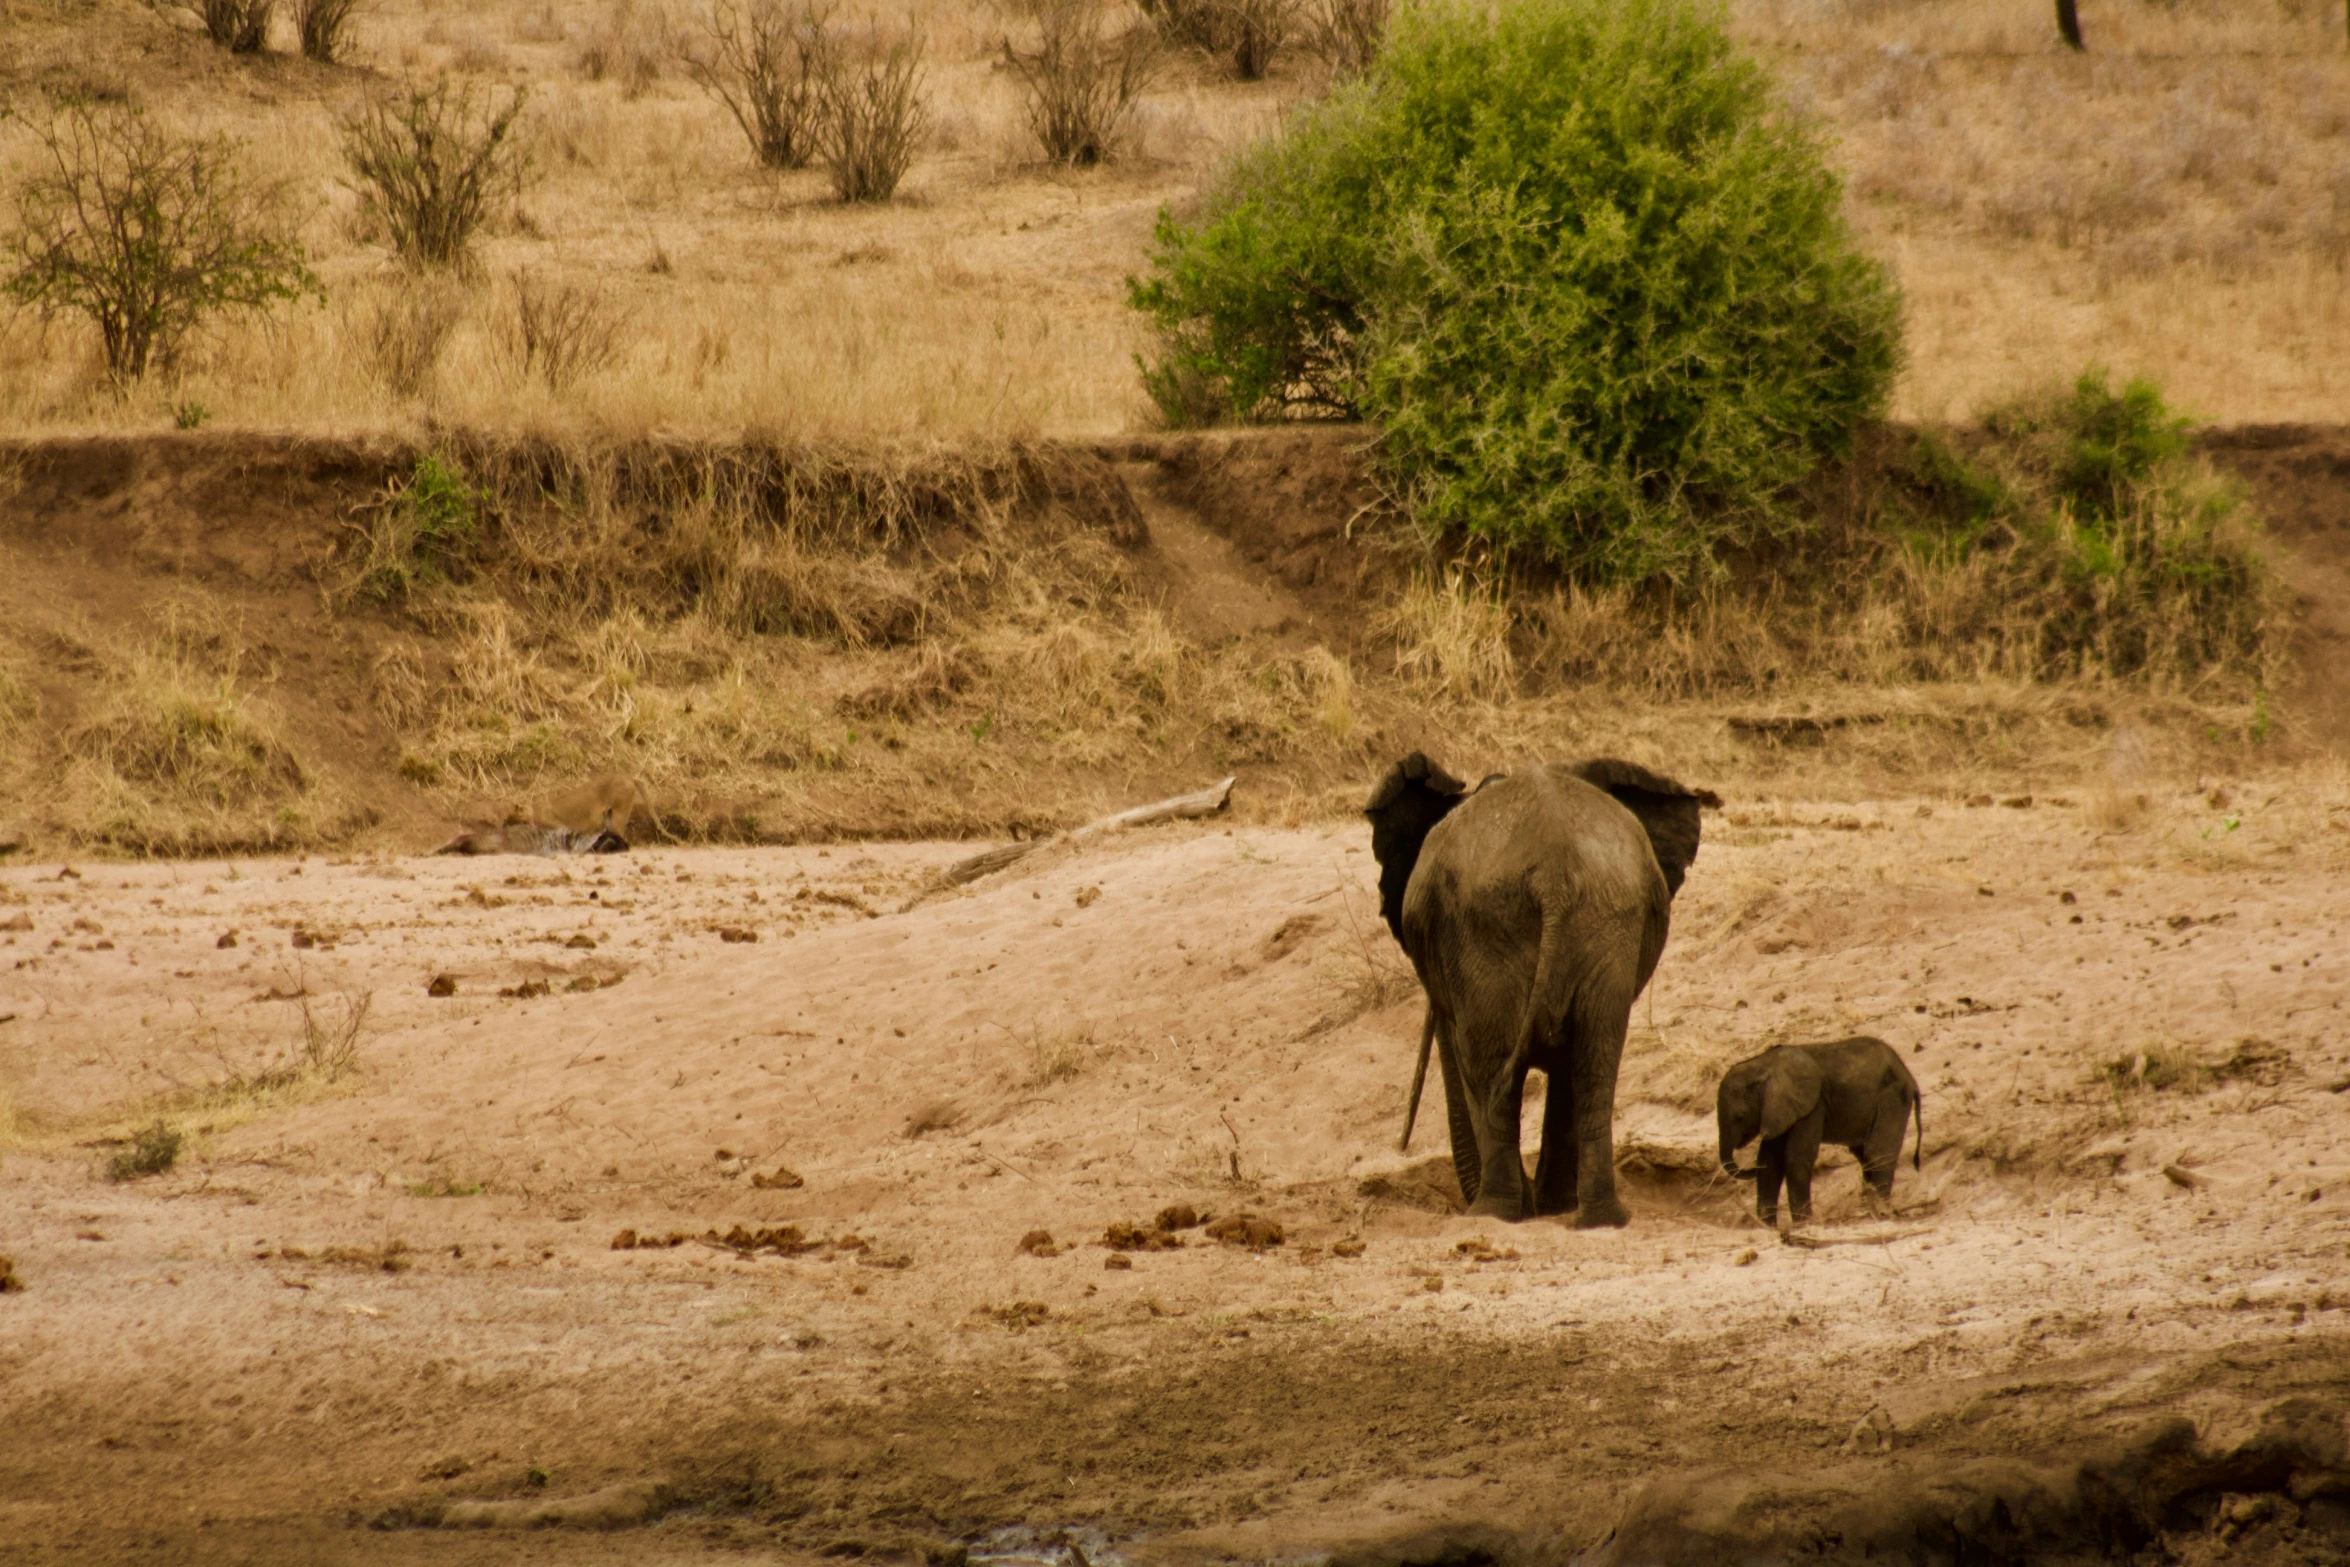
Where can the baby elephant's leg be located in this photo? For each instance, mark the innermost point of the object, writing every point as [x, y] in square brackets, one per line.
[1770, 1168]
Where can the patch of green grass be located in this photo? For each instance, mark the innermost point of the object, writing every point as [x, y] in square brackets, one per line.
[152, 1150]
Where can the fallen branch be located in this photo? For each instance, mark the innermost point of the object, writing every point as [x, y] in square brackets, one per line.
[1206, 802]
[1873, 1238]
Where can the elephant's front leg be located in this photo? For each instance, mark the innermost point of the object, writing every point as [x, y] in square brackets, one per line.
[1501, 1184]
[1770, 1169]
[1803, 1151]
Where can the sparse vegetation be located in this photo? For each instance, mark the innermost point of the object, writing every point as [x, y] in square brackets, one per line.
[152, 1150]
[239, 26]
[324, 28]
[407, 333]
[1577, 350]
[1346, 35]
[1082, 83]
[563, 332]
[423, 525]
[765, 60]
[146, 234]
[429, 161]
[874, 111]
[330, 1040]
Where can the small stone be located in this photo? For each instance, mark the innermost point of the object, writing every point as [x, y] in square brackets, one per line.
[1117, 1264]
[440, 985]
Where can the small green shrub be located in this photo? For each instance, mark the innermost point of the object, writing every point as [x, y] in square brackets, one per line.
[147, 234]
[423, 525]
[2112, 549]
[152, 1150]
[1593, 283]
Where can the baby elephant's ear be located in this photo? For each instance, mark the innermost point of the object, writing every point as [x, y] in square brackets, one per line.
[1791, 1089]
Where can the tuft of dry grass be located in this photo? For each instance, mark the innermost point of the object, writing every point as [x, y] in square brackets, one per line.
[1452, 634]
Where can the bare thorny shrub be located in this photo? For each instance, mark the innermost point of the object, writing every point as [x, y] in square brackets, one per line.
[1082, 83]
[629, 44]
[563, 331]
[407, 333]
[765, 61]
[1345, 35]
[239, 26]
[1251, 32]
[429, 161]
[874, 111]
[324, 28]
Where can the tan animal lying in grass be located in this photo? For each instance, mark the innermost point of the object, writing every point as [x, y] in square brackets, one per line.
[598, 817]
[608, 802]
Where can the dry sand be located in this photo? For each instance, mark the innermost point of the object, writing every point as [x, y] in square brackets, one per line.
[368, 1299]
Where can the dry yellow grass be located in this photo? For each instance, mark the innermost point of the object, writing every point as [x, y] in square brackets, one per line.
[2171, 203]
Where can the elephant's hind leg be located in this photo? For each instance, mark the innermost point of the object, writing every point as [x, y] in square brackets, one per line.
[1595, 1048]
[1554, 1167]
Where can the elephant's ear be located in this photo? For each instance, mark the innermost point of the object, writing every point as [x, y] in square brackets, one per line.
[1415, 795]
[1667, 809]
[1414, 773]
[1790, 1091]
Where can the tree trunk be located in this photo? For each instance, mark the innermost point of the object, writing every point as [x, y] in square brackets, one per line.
[2068, 22]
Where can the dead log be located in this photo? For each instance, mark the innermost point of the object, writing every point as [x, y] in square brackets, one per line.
[1205, 802]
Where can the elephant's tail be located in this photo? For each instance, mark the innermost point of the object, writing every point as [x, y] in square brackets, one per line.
[1411, 1111]
[1917, 1155]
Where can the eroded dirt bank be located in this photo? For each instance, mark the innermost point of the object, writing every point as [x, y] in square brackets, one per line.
[371, 1300]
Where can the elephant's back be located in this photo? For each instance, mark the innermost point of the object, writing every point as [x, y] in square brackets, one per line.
[1543, 834]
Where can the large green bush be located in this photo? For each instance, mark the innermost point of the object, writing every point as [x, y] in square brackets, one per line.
[1590, 280]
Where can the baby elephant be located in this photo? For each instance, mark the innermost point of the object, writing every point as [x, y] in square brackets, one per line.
[1855, 1092]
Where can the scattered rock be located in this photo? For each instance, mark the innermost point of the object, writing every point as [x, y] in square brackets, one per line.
[2180, 1175]
[1019, 1314]
[1117, 1262]
[23, 921]
[304, 939]
[735, 933]
[448, 1468]
[1038, 1243]
[1086, 895]
[1478, 1249]
[1247, 1229]
[587, 943]
[1745, 1258]
[527, 990]
[1178, 1216]
[1133, 1237]
[441, 985]
[630, 1240]
[783, 1240]
[10, 1284]
[1350, 1247]
[780, 1180]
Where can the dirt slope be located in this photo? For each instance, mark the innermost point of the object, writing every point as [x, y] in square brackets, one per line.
[185, 662]
[376, 1298]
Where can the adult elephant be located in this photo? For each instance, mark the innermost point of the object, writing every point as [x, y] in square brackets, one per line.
[1534, 909]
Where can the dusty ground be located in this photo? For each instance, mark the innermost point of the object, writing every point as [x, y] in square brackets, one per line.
[368, 1298]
